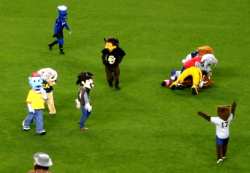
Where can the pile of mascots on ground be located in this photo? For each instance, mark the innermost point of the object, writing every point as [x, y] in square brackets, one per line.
[196, 71]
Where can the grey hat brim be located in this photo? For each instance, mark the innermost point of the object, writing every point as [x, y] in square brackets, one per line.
[42, 159]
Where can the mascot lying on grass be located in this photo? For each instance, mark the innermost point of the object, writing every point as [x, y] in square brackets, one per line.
[49, 77]
[193, 77]
[196, 72]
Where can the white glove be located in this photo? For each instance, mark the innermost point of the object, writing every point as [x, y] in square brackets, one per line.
[31, 110]
[201, 84]
[78, 104]
[44, 94]
[88, 107]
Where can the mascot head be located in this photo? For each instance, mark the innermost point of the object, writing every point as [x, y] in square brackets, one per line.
[35, 81]
[111, 43]
[62, 11]
[49, 75]
[208, 61]
[85, 79]
[202, 50]
[224, 111]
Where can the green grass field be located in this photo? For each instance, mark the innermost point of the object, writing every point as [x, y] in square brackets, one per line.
[142, 128]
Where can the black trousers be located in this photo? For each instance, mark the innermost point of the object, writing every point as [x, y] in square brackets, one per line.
[112, 75]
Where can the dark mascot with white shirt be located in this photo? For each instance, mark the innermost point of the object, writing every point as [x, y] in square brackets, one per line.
[226, 113]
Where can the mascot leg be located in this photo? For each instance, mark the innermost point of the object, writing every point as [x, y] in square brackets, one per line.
[50, 103]
[61, 43]
[181, 78]
[109, 76]
[197, 77]
[116, 77]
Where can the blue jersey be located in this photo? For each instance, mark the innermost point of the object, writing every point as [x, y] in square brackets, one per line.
[59, 25]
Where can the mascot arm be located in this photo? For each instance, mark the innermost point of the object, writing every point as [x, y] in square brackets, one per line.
[233, 108]
[78, 104]
[204, 115]
[44, 94]
[30, 108]
[88, 107]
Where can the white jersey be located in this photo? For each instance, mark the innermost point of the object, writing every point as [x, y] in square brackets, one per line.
[222, 127]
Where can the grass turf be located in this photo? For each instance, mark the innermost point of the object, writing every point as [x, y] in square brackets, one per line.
[143, 127]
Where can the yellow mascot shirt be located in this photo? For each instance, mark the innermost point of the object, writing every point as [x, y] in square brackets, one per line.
[35, 99]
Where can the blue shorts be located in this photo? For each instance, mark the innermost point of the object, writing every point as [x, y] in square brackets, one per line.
[220, 141]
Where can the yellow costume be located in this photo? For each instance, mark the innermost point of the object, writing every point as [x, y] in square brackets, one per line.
[193, 72]
[35, 99]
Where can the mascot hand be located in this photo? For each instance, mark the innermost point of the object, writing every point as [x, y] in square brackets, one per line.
[44, 94]
[78, 104]
[31, 110]
[88, 107]
[201, 84]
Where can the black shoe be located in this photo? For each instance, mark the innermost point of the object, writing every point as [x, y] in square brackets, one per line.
[50, 47]
[180, 87]
[25, 129]
[194, 91]
[110, 84]
[117, 88]
[62, 52]
[173, 87]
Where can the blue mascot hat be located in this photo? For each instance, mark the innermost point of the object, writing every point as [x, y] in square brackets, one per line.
[62, 10]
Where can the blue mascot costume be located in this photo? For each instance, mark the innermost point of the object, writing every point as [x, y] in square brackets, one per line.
[58, 28]
[35, 104]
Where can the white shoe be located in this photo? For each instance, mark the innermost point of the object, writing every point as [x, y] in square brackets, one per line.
[84, 129]
[25, 128]
[42, 132]
[219, 161]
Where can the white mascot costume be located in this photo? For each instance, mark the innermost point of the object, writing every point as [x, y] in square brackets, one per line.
[49, 77]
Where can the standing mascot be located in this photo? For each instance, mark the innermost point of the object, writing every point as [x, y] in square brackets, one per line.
[35, 103]
[49, 77]
[112, 56]
[86, 83]
[225, 115]
[61, 22]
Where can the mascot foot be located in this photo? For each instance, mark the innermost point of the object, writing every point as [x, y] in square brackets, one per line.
[117, 88]
[219, 161]
[25, 128]
[172, 87]
[195, 91]
[43, 132]
[84, 129]
[50, 47]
